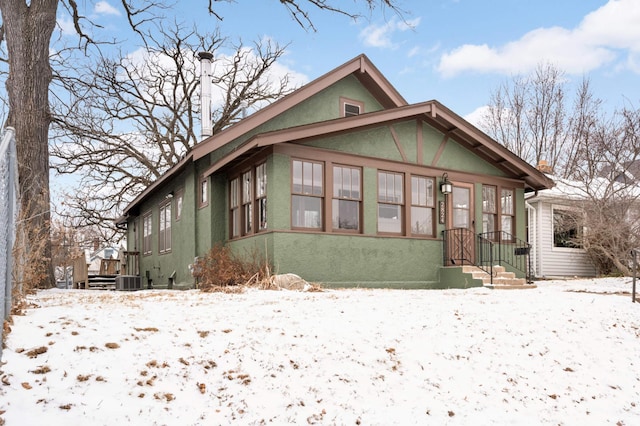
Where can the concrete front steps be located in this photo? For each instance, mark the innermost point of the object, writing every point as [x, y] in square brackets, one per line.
[502, 279]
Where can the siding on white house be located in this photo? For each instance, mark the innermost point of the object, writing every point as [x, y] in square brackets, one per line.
[549, 261]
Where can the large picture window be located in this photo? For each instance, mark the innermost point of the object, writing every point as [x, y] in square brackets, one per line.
[390, 202]
[147, 229]
[422, 205]
[346, 198]
[307, 194]
[164, 236]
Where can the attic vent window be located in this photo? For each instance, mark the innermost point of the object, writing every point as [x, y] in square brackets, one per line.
[351, 110]
[350, 107]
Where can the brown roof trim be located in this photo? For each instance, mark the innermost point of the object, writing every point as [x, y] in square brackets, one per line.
[432, 111]
[360, 66]
[491, 149]
[323, 129]
[149, 189]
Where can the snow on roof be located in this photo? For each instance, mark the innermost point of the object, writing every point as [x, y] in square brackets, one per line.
[575, 190]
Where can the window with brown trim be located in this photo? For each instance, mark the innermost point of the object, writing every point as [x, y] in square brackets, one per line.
[179, 202]
[307, 194]
[164, 234]
[390, 202]
[234, 205]
[203, 192]
[247, 203]
[347, 199]
[261, 196]
[508, 213]
[349, 107]
[147, 230]
[422, 205]
[489, 210]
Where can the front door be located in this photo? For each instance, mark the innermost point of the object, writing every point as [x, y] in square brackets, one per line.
[461, 235]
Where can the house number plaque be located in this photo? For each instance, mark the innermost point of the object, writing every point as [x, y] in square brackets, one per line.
[441, 212]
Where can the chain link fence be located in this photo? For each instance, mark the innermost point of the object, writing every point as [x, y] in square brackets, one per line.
[8, 215]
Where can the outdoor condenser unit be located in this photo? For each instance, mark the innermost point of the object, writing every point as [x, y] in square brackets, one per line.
[128, 283]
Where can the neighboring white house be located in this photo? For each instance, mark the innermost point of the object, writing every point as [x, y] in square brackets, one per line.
[95, 258]
[553, 249]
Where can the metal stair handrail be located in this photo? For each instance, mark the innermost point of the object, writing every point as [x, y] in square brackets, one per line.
[510, 250]
[456, 250]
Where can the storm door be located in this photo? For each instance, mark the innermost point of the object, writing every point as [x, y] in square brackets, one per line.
[460, 233]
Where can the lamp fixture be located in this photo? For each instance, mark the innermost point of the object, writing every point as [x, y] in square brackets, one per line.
[445, 185]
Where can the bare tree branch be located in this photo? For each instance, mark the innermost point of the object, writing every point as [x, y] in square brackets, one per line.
[156, 98]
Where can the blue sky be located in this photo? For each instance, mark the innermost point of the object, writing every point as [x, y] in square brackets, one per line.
[455, 51]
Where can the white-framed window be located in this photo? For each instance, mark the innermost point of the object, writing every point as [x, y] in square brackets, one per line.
[567, 228]
[347, 198]
[350, 107]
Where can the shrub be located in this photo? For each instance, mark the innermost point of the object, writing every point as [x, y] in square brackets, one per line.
[221, 269]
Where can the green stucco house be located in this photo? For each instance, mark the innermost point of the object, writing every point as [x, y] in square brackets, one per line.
[343, 183]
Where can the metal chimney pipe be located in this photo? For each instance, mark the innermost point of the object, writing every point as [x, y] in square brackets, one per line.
[205, 93]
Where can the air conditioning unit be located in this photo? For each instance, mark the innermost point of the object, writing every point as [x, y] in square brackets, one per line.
[128, 283]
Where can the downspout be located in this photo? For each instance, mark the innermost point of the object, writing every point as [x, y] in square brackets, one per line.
[533, 234]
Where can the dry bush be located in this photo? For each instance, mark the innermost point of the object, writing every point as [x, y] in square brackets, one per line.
[31, 262]
[222, 270]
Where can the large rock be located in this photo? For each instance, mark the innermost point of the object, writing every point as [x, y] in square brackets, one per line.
[289, 282]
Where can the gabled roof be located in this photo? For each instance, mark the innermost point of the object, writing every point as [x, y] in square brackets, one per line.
[360, 66]
[432, 112]
[395, 108]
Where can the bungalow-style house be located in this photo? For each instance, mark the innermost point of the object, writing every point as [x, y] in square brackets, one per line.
[554, 232]
[343, 183]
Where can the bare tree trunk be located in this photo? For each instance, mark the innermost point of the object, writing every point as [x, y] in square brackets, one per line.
[28, 27]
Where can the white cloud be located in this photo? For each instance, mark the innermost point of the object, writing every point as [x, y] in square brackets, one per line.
[476, 117]
[104, 8]
[66, 25]
[381, 35]
[598, 40]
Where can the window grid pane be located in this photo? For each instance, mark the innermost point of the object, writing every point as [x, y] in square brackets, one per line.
[507, 201]
[307, 195]
[346, 203]
[261, 196]
[390, 188]
[146, 233]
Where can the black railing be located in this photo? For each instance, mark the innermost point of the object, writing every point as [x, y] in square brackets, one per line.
[462, 247]
[512, 251]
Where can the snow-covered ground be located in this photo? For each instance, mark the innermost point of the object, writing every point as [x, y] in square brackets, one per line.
[566, 353]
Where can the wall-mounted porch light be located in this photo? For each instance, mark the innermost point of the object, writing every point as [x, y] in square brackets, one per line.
[445, 185]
